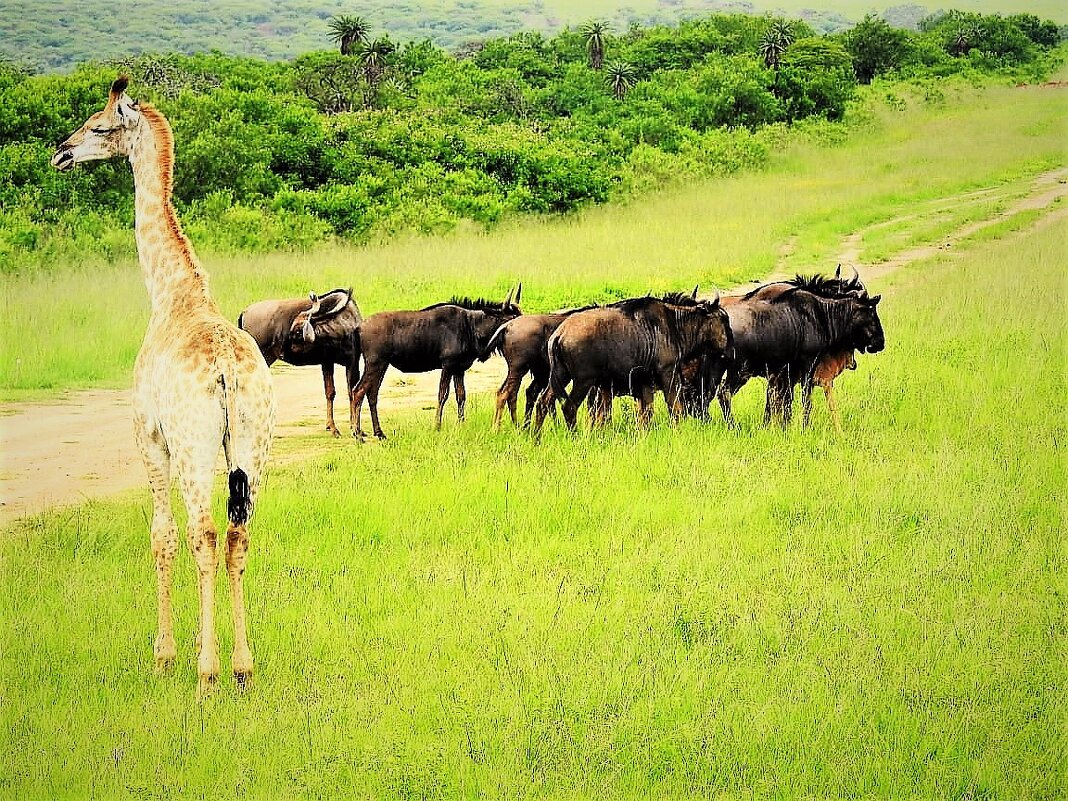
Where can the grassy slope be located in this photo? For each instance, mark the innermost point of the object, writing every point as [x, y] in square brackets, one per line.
[84, 328]
[689, 611]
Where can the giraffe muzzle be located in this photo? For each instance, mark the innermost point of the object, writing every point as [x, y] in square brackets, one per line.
[63, 159]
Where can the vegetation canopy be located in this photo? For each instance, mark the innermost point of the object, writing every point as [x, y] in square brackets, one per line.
[380, 137]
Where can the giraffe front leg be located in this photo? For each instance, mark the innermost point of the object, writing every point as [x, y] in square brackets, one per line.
[164, 535]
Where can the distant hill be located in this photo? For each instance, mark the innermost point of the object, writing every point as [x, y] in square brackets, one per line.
[53, 35]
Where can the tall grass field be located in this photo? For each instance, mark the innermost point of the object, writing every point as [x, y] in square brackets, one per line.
[689, 612]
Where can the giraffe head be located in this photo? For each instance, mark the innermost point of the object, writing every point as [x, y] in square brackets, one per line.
[103, 136]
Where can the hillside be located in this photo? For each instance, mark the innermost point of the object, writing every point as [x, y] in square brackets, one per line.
[55, 35]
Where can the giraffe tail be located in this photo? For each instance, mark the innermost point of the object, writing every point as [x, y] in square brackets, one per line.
[239, 502]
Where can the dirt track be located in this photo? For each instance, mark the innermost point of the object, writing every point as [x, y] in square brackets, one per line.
[81, 446]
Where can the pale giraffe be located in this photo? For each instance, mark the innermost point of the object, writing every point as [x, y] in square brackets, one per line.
[199, 382]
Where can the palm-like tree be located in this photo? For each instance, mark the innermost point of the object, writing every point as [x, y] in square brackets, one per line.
[373, 56]
[348, 32]
[595, 32]
[620, 77]
[778, 36]
[966, 38]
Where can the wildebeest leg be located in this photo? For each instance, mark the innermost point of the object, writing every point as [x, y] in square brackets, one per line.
[574, 402]
[372, 399]
[601, 405]
[806, 403]
[330, 392]
[770, 401]
[546, 401]
[372, 377]
[724, 396]
[461, 395]
[535, 389]
[443, 395]
[506, 396]
[786, 399]
[832, 404]
[352, 378]
[645, 397]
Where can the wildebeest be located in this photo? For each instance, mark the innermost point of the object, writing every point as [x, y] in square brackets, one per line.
[787, 332]
[637, 346]
[319, 329]
[447, 336]
[523, 342]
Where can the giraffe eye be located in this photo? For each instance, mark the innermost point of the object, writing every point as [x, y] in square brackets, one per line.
[102, 130]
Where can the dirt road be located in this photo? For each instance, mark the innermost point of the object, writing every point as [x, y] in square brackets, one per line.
[81, 446]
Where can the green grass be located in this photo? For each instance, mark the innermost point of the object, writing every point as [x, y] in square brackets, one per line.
[686, 613]
[83, 327]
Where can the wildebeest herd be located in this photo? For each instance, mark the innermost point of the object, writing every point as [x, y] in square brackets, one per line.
[801, 332]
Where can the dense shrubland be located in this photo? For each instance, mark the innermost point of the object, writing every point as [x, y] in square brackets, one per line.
[409, 138]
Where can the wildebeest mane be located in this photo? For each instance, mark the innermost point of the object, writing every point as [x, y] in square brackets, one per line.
[825, 287]
[474, 304]
[680, 299]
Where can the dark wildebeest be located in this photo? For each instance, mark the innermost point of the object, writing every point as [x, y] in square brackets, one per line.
[694, 372]
[319, 329]
[637, 346]
[446, 336]
[785, 333]
[523, 342]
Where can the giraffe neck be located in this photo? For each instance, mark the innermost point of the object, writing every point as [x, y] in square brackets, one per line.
[172, 274]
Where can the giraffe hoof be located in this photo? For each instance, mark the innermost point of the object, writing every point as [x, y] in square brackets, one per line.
[164, 664]
[334, 432]
[206, 686]
[243, 679]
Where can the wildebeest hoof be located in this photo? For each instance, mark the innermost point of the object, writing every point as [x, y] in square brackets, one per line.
[380, 435]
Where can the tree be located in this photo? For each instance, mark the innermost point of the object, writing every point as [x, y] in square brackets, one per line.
[373, 56]
[620, 77]
[965, 38]
[348, 32]
[875, 48]
[594, 32]
[774, 41]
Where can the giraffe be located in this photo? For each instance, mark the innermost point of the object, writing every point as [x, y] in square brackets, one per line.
[199, 382]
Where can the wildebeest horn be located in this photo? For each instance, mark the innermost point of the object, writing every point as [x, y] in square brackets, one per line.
[715, 302]
[519, 292]
[694, 295]
[314, 303]
[856, 274]
[838, 272]
[508, 299]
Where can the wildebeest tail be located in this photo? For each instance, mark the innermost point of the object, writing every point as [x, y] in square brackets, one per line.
[239, 501]
[496, 342]
[558, 377]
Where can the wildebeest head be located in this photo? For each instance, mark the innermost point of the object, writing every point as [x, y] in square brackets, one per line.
[704, 323]
[865, 326]
[302, 330]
